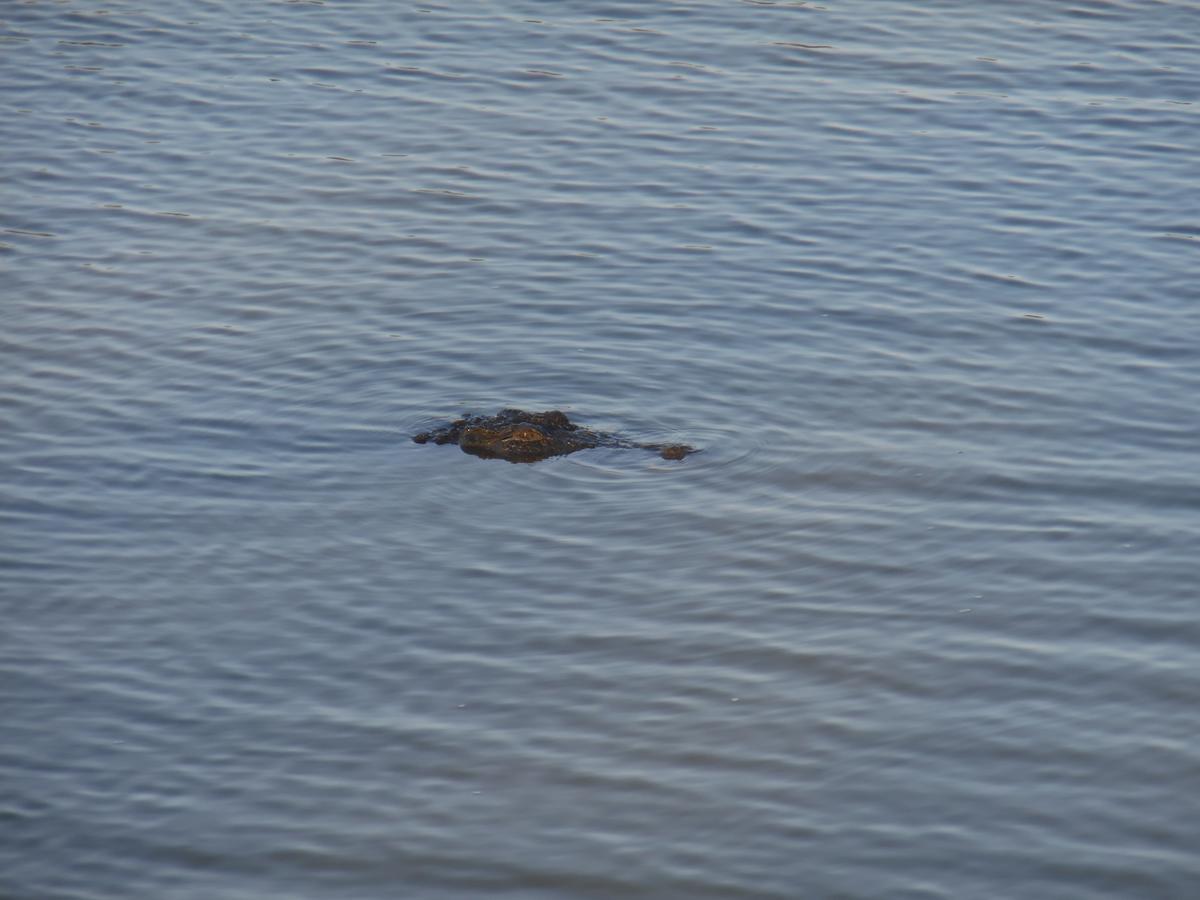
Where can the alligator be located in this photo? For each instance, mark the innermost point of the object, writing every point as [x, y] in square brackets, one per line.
[524, 437]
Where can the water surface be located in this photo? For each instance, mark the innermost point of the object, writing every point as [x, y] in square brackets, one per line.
[918, 623]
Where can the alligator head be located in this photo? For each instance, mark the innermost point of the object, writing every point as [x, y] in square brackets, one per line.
[519, 441]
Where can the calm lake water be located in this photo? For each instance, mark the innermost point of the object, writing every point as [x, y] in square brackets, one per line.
[919, 622]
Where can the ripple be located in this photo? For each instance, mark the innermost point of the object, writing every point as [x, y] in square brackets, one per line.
[798, 237]
[725, 450]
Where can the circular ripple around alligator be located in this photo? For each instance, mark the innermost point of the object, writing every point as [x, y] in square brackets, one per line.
[631, 478]
[721, 454]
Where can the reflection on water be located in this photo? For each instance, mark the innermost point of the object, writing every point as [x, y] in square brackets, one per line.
[917, 622]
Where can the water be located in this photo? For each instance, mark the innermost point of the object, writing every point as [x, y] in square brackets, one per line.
[918, 623]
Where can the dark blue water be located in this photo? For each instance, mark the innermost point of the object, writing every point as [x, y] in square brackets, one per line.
[920, 621]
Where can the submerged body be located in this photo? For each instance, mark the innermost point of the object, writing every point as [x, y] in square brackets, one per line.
[520, 436]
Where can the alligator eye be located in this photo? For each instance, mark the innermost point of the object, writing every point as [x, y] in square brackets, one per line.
[527, 433]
